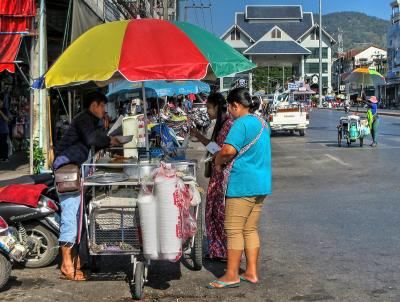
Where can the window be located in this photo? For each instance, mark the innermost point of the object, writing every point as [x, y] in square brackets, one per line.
[235, 34]
[276, 34]
[315, 34]
[315, 52]
[324, 82]
[314, 67]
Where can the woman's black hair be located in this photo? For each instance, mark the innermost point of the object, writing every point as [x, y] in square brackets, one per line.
[256, 104]
[218, 100]
[242, 96]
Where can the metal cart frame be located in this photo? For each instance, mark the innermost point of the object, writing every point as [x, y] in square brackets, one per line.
[343, 127]
[128, 233]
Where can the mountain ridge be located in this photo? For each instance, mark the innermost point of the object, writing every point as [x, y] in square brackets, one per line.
[359, 30]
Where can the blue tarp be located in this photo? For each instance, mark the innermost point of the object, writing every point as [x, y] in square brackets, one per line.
[159, 88]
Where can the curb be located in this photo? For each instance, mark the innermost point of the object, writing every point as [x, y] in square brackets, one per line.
[380, 113]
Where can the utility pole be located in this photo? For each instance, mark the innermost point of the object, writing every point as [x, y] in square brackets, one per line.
[43, 101]
[340, 53]
[177, 10]
[320, 53]
[165, 9]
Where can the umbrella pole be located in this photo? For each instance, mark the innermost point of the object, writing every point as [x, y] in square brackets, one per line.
[146, 134]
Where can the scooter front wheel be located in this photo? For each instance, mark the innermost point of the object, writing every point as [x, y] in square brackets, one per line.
[45, 249]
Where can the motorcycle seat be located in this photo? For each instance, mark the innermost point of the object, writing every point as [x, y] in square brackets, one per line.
[45, 178]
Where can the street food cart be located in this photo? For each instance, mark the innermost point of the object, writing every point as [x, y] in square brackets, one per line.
[112, 216]
[352, 128]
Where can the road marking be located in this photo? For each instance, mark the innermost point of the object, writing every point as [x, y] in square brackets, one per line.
[337, 160]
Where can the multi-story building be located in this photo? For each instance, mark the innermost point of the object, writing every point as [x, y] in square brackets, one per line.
[372, 57]
[392, 88]
[281, 37]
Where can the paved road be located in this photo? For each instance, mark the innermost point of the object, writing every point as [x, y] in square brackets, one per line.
[330, 232]
[332, 222]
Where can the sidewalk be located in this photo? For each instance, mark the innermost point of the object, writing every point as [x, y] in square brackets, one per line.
[387, 112]
[17, 166]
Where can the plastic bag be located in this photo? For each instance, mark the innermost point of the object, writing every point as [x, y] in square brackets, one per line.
[195, 194]
[188, 222]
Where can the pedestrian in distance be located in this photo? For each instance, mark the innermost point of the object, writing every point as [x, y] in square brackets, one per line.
[215, 202]
[4, 131]
[83, 133]
[373, 119]
[245, 159]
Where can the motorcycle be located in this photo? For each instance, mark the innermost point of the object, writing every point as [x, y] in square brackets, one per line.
[10, 250]
[36, 229]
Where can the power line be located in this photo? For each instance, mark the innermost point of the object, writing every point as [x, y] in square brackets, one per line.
[195, 13]
[195, 7]
[202, 13]
[211, 18]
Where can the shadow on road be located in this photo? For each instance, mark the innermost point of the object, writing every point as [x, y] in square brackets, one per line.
[161, 272]
[12, 282]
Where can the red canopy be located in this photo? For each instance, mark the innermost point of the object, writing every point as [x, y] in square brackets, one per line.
[24, 8]
[15, 18]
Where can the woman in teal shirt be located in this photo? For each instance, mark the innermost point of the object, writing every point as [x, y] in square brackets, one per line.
[246, 156]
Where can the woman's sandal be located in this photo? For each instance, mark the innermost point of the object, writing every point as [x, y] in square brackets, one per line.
[242, 278]
[224, 285]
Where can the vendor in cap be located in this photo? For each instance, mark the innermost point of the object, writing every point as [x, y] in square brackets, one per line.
[373, 119]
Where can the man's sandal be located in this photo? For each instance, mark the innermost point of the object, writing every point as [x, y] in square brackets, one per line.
[74, 276]
[224, 285]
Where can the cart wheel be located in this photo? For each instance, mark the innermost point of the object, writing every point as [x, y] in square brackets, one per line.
[197, 250]
[339, 139]
[139, 280]
[302, 133]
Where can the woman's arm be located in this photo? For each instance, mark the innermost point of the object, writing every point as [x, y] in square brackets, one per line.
[204, 140]
[224, 156]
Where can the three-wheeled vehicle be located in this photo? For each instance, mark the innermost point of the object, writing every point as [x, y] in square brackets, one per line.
[351, 128]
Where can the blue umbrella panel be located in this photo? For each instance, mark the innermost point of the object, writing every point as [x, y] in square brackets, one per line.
[156, 89]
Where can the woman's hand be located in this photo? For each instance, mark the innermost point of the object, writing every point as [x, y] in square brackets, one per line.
[193, 132]
[218, 168]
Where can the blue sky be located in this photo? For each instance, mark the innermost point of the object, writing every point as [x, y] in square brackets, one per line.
[223, 11]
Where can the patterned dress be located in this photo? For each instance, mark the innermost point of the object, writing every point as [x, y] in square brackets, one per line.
[215, 206]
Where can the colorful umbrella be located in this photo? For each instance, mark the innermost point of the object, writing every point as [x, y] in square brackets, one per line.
[365, 77]
[159, 88]
[142, 50]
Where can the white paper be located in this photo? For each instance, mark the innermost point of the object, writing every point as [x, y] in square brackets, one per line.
[213, 148]
[116, 126]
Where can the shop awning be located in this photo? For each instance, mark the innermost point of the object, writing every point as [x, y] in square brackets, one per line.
[22, 8]
[15, 20]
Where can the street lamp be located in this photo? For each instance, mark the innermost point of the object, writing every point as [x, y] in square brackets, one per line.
[320, 53]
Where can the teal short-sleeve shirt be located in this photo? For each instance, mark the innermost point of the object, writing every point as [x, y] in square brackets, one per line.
[251, 173]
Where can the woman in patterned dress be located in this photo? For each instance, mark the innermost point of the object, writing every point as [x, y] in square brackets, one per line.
[215, 205]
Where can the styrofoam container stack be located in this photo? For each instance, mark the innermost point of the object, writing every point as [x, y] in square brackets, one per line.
[148, 221]
[168, 215]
